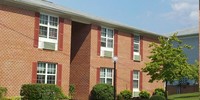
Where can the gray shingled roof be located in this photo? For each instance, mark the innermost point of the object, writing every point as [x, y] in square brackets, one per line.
[44, 5]
[185, 32]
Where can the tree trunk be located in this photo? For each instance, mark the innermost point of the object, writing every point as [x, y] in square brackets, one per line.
[180, 87]
[166, 92]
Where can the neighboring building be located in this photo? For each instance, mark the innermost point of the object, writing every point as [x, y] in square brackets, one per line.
[46, 43]
[191, 37]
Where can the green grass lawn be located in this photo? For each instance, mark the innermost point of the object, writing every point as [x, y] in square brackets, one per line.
[187, 96]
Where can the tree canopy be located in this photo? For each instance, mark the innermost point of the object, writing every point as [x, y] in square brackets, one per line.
[168, 61]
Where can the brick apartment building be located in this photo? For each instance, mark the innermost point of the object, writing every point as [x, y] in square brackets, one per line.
[45, 43]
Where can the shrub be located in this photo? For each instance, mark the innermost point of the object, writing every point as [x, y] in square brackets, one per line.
[159, 91]
[119, 97]
[41, 92]
[137, 98]
[102, 92]
[157, 97]
[3, 91]
[71, 90]
[126, 95]
[144, 95]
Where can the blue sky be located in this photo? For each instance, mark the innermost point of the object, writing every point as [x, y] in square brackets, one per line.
[160, 16]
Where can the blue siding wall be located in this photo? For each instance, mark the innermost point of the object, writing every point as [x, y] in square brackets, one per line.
[193, 53]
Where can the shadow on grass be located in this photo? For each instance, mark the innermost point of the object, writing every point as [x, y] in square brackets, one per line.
[186, 96]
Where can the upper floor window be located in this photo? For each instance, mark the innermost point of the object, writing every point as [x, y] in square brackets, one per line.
[46, 73]
[107, 36]
[136, 44]
[48, 34]
[107, 42]
[106, 75]
[136, 48]
[48, 26]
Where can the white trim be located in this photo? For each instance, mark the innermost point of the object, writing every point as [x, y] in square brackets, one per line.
[106, 37]
[107, 28]
[106, 74]
[138, 79]
[47, 39]
[136, 43]
[46, 72]
[75, 15]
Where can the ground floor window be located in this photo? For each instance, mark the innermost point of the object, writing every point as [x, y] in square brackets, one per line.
[46, 73]
[136, 83]
[106, 75]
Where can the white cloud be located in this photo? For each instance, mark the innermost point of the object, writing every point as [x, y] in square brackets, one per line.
[194, 14]
[184, 11]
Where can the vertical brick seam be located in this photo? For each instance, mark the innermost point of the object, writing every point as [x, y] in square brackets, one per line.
[141, 47]
[98, 41]
[132, 47]
[98, 76]
[34, 72]
[36, 30]
[59, 74]
[115, 42]
[61, 29]
[141, 78]
[131, 80]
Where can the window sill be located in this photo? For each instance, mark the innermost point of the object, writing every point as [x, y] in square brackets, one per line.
[47, 50]
[106, 57]
[137, 60]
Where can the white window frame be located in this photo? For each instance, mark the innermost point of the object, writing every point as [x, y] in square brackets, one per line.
[107, 48]
[138, 79]
[106, 76]
[46, 70]
[47, 39]
[138, 43]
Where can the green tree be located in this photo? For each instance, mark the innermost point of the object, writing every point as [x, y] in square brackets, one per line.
[196, 68]
[168, 62]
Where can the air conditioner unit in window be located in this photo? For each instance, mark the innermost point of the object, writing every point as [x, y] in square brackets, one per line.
[136, 94]
[49, 46]
[107, 53]
[137, 57]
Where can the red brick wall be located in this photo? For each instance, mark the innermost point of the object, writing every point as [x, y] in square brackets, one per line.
[124, 63]
[80, 59]
[17, 52]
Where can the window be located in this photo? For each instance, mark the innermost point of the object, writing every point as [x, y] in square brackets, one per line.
[48, 34]
[136, 83]
[48, 26]
[136, 48]
[136, 44]
[46, 73]
[106, 75]
[136, 80]
[107, 42]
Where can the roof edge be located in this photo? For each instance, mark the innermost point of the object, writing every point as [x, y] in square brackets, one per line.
[77, 15]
